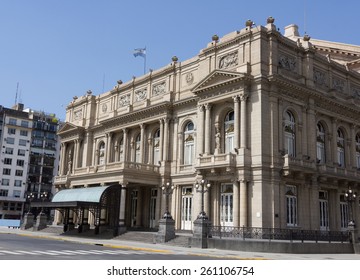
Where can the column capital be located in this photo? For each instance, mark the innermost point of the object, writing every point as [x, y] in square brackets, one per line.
[243, 96]
[201, 108]
[208, 106]
[236, 98]
[125, 131]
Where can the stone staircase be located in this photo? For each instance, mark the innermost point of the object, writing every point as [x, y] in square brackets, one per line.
[138, 236]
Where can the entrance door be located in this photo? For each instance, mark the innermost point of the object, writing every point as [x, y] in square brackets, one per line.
[134, 201]
[186, 208]
[152, 210]
[226, 205]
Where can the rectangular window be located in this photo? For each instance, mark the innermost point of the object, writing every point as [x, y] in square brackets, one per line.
[9, 151]
[8, 161]
[341, 156]
[16, 193]
[24, 123]
[21, 152]
[12, 206]
[17, 183]
[5, 182]
[6, 204]
[291, 206]
[22, 142]
[12, 121]
[23, 132]
[344, 213]
[10, 140]
[11, 130]
[19, 173]
[324, 212]
[320, 152]
[4, 193]
[6, 171]
[20, 162]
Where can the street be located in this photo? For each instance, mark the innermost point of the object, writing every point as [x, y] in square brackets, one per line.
[17, 247]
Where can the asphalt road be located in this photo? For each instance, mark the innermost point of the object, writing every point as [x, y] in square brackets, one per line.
[17, 247]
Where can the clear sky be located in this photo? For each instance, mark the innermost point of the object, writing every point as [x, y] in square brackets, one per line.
[57, 49]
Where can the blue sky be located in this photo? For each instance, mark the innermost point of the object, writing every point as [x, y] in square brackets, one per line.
[59, 49]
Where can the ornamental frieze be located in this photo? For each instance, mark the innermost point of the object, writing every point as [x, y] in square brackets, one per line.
[159, 89]
[355, 91]
[287, 62]
[140, 94]
[77, 115]
[229, 60]
[320, 78]
[338, 84]
[124, 100]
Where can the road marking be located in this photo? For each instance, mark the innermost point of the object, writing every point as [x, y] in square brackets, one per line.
[10, 252]
[28, 252]
[46, 253]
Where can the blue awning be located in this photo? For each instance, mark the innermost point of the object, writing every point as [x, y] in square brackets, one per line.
[91, 194]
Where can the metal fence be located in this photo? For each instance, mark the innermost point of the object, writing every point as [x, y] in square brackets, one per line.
[277, 234]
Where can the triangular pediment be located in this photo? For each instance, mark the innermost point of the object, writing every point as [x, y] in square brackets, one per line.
[216, 79]
[69, 128]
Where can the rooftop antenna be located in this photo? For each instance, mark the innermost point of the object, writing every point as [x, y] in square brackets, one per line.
[17, 89]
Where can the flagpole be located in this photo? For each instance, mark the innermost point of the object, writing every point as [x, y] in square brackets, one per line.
[145, 61]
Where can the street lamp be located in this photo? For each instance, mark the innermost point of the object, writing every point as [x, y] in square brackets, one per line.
[30, 198]
[202, 187]
[167, 190]
[43, 197]
[350, 197]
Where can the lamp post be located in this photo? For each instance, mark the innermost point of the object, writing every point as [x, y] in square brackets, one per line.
[167, 190]
[202, 187]
[30, 198]
[350, 197]
[43, 197]
[166, 224]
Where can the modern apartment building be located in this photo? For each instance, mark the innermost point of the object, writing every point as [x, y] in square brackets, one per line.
[15, 141]
[29, 158]
[271, 122]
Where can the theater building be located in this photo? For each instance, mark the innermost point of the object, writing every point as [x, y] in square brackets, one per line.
[270, 121]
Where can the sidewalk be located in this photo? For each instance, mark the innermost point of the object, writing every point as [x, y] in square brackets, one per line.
[170, 249]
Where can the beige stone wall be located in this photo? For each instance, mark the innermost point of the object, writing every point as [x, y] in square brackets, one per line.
[258, 73]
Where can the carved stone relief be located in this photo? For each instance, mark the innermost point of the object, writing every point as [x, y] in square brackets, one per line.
[78, 115]
[287, 62]
[338, 84]
[159, 89]
[320, 77]
[189, 78]
[124, 100]
[140, 94]
[228, 60]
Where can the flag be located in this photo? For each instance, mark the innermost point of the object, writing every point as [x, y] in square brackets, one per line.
[140, 52]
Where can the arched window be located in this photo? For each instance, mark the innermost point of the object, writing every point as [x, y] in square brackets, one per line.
[189, 144]
[320, 144]
[137, 148]
[289, 134]
[101, 153]
[357, 147]
[340, 148]
[229, 132]
[156, 147]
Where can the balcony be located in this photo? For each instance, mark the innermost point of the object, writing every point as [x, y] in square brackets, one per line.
[298, 165]
[220, 161]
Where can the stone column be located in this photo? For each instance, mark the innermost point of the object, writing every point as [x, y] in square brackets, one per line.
[62, 159]
[236, 203]
[161, 138]
[243, 203]
[166, 139]
[207, 134]
[125, 144]
[334, 143]
[236, 121]
[200, 130]
[122, 226]
[243, 132]
[142, 142]
[353, 163]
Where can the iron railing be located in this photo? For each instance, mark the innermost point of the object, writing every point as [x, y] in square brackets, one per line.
[278, 234]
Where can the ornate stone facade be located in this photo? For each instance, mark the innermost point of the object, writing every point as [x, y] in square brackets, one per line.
[272, 124]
